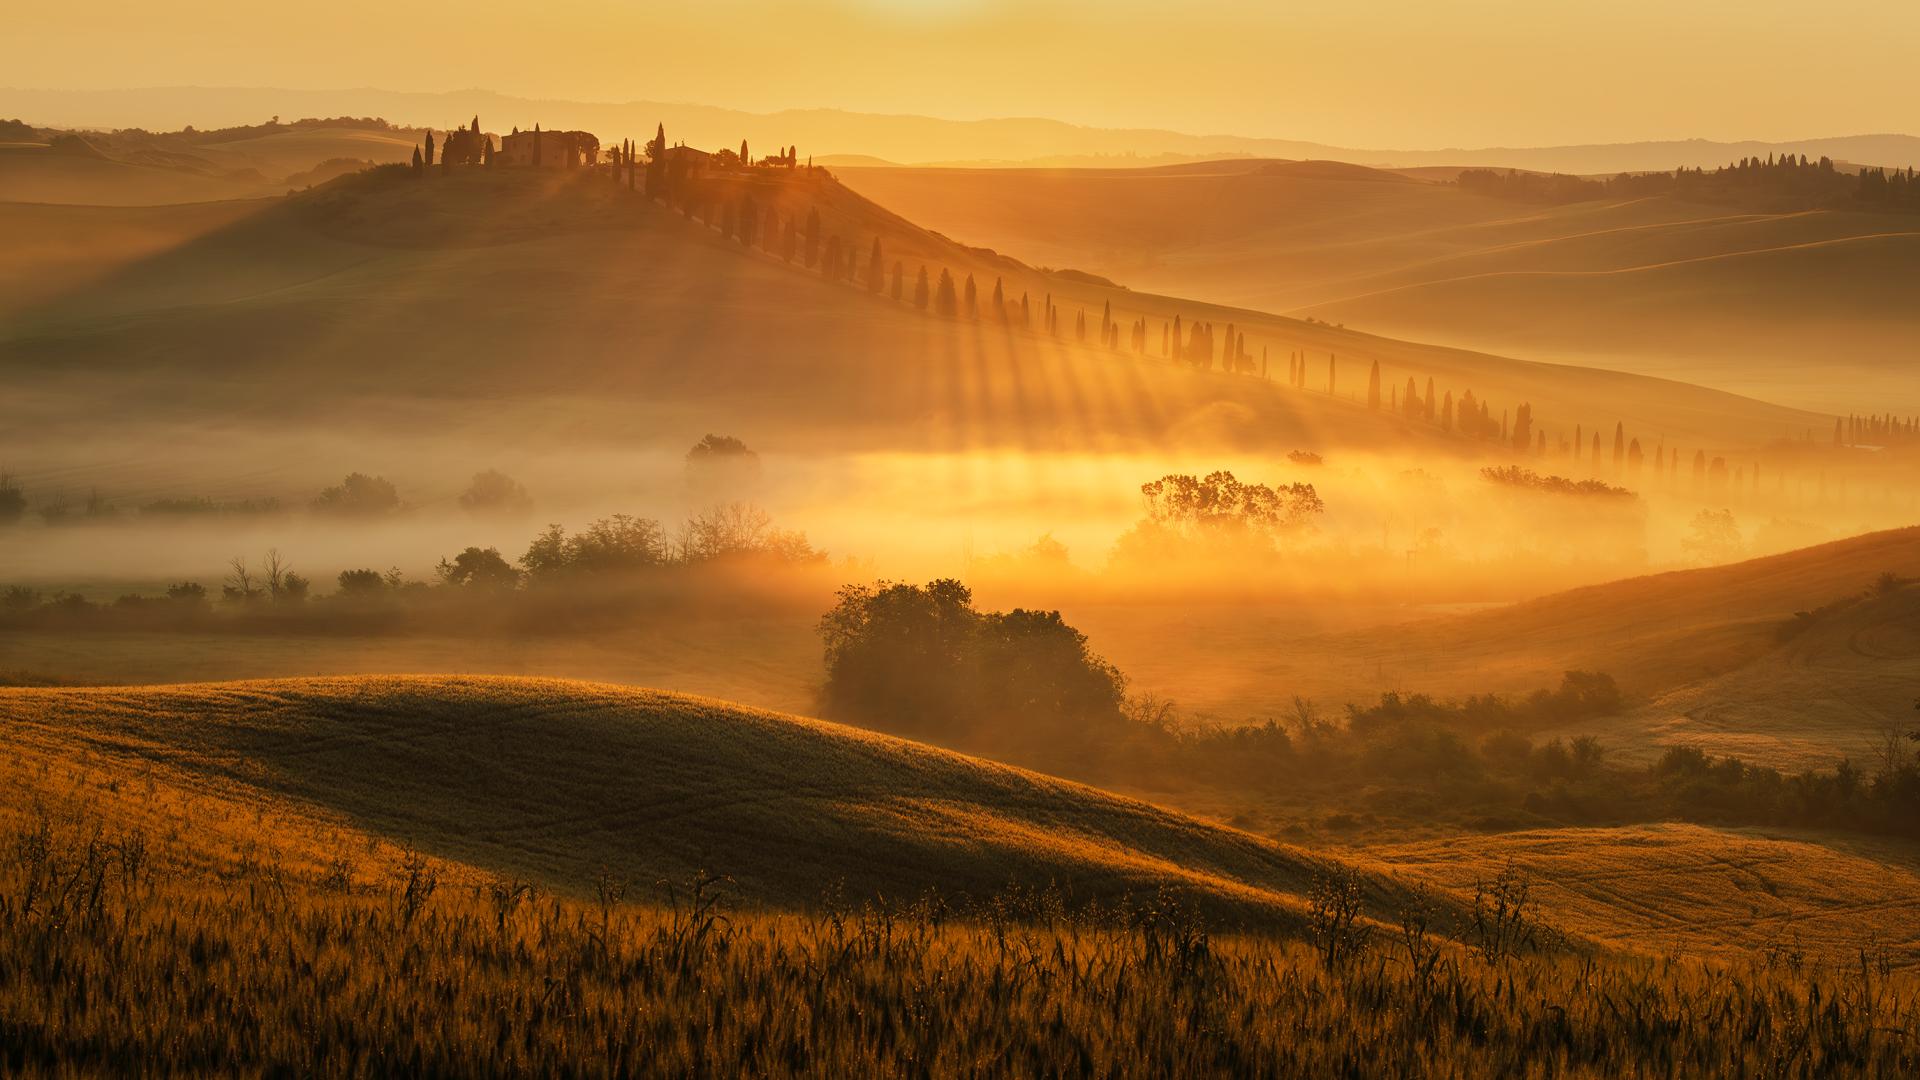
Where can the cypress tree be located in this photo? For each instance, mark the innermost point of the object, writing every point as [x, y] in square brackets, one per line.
[999, 302]
[1080, 326]
[1619, 445]
[426, 156]
[944, 301]
[920, 290]
[1026, 314]
[876, 267]
[418, 169]
[1446, 412]
[1373, 387]
[789, 241]
[973, 299]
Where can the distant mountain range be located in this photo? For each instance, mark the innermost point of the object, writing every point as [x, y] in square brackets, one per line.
[900, 139]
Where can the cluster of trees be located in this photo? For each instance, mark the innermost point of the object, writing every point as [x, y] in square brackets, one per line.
[1217, 517]
[605, 551]
[922, 661]
[1515, 476]
[1783, 182]
[1875, 429]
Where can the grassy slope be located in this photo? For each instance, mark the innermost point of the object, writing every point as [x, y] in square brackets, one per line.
[1699, 293]
[555, 780]
[1687, 889]
[581, 293]
[1831, 691]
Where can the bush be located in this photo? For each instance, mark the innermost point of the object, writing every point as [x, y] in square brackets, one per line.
[494, 492]
[359, 495]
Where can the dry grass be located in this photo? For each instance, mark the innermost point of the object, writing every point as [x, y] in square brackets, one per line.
[107, 966]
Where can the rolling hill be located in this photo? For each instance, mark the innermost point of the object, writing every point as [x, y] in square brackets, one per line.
[553, 781]
[479, 303]
[1703, 294]
[557, 782]
[1703, 653]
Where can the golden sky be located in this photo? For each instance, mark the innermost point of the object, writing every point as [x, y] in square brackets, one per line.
[1409, 74]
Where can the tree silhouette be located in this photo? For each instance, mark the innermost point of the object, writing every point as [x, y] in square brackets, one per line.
[419, 168]
[945, 303]
[999, 302]
[920, 290]
[789, 241]
[1523, 427]
[426, 155]
[972, 299]
[1619, 446]
[876, 267]
[657, 164]
[1373, 387]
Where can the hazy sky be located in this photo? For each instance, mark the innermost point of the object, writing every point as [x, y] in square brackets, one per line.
[1374, 73]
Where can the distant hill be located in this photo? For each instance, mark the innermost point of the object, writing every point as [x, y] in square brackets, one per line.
[554, 781]
[1728, 297]
[142, 168]
[909, 139]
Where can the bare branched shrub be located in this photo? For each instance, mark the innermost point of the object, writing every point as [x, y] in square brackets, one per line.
[1333, 917]
[1504, 915]
[1417, 938]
